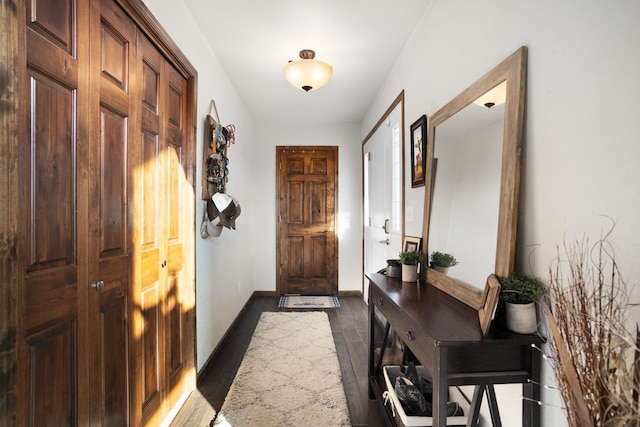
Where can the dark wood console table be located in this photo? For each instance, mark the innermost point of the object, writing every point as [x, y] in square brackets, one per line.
[444, 335]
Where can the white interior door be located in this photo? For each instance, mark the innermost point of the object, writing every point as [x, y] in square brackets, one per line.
[383, 195]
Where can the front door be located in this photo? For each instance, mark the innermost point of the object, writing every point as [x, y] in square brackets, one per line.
[307, 247]
[383, 197]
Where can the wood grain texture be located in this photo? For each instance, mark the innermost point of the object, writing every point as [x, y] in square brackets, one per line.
[51, 243]
[53, 170]
[306, 197]
[11, 55]
[489, 303]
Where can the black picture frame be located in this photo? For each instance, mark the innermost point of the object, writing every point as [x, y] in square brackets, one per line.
[418, 151]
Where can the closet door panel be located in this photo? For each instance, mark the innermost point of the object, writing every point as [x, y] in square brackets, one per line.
[54, 22]
[114, 363]
[51, 202]
[113, 181]
[113, 121]
[52, 334]
[151, 230]
[150, 306]
[109, 304]
[105, 211]
[174, 206]
[52, 396]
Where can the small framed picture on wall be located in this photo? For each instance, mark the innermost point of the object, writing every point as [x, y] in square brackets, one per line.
[418, 151]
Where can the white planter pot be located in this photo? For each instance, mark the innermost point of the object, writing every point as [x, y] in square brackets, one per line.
[409, 273]
[521, 318]
[440, 269]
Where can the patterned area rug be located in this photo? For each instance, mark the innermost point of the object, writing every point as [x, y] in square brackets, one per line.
[305, 301]
[289, 376]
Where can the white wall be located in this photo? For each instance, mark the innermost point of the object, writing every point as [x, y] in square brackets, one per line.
[582, 150]
[230, 268]
[346, 137]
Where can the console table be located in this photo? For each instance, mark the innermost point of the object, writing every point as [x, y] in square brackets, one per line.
[444, 335]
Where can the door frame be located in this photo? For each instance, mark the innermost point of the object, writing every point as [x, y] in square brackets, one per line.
[398, 100]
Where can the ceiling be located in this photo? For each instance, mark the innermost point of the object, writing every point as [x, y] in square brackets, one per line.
[254, 39]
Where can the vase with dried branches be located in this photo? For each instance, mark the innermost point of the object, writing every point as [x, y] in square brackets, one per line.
[594, 355]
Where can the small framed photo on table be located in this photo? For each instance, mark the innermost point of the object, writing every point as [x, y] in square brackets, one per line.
[418, 151]
[412, 244]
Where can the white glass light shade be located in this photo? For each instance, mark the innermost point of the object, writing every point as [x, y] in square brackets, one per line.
[308, 74]
[496, 96]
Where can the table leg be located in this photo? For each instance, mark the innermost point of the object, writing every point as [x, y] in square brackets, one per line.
[476, 401]
[531, 391]
[493, 406]
[440, 387]
[371, 368]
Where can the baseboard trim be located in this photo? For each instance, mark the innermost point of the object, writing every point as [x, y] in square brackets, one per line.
[264, 294]
[349, 293]
[275, 294]
[205, 368]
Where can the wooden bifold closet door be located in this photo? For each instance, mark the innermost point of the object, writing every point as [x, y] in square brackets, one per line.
[106, 325]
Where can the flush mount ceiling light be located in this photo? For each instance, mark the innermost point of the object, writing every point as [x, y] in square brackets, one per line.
[307, 73]
[496, 96]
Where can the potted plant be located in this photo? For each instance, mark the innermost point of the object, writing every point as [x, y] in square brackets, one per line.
[410, 261]
[441, 261]
[520, 295]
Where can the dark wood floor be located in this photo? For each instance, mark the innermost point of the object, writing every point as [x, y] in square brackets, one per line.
[349, 325]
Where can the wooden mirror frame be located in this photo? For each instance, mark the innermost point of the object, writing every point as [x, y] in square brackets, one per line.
[513, 69]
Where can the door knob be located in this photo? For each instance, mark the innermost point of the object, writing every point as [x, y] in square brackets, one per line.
[386, 242]
[99, 285]
[385, 227]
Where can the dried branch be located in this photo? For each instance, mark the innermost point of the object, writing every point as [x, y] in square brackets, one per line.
[594, 356]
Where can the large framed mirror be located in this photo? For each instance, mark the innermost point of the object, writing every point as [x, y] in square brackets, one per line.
[473, 180]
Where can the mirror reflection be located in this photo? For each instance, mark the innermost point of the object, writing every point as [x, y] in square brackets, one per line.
[471, 201]
[466, 187]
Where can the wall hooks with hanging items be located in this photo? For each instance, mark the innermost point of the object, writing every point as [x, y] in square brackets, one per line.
[220, 209]
[217, 139]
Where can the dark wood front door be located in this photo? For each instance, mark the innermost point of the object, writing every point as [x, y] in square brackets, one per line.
[307, 247]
